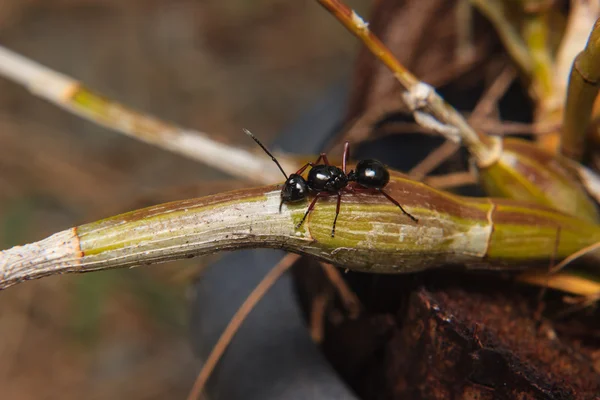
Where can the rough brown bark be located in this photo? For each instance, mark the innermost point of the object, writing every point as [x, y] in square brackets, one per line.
[463, 345]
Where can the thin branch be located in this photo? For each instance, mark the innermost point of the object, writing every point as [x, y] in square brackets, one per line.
[535, 33]
[237, 320]
[482, 109]
[74, 97]
[433, 160]
[493, 94]
[566, 281]
[578, 254]
[318, 308]
[359, 129]
[465, 47]
[514, 44]
[491, 126]
[452, 180]
[506, 128]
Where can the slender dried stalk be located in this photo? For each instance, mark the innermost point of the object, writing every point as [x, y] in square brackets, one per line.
[483, 108]
[535, 33]
[372, 235]
[76, 98]
[465, 46]
[318, 309]
[581, 94]
[433, 160]
[507, 128]
[566, 281]
[489, 125]
[488, 102]
[347, 296]
[451, 180]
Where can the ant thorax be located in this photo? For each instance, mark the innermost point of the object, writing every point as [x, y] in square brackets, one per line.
[326, 178]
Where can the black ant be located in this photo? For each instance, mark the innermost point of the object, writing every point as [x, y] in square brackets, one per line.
[328, 180]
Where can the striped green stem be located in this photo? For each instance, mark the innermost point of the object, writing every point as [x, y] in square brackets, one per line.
[372, 234]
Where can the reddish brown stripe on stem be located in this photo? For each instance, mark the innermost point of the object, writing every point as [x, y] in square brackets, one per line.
[78, 242]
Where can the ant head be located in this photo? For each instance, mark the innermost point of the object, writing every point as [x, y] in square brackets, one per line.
[294, 189]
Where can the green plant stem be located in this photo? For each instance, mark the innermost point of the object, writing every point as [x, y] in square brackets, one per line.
[582, 91]
[372, 234]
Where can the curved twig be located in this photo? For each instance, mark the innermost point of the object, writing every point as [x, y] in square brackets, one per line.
[372, 235]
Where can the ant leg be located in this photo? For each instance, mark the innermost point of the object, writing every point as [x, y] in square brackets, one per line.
[345, 157]
[301, 170]
[310, 207]
[337, 212]
[323, 157]
[390, 198]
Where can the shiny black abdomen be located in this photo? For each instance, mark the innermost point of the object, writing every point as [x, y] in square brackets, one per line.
[326, 178]
[371, 174]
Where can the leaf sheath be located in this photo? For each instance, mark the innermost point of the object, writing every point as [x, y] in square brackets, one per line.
[526, 172]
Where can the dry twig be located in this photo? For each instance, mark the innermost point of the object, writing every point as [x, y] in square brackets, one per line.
[318, 310]
[73, 96]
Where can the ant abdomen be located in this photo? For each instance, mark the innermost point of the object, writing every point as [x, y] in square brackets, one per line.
[370, 174]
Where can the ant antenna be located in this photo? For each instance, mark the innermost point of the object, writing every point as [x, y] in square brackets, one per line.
[247, 132]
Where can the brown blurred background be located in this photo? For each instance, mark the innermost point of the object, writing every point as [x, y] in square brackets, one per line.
[212, 65]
